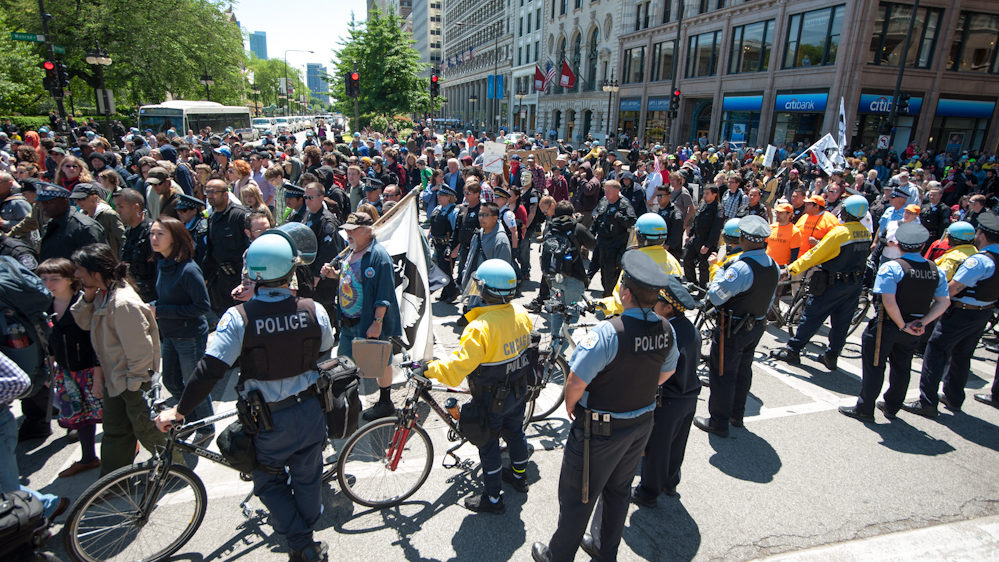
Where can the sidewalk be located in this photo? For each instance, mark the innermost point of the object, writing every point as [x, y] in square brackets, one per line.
[976, 539]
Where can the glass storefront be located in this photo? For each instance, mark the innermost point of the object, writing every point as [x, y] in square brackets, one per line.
[656, 119]
[960, 125]
[873, 109]
[798, 117]
[629, 111]
[741, 119]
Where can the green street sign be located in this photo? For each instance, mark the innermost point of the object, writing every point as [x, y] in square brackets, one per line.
[33, 37]
[58, 50]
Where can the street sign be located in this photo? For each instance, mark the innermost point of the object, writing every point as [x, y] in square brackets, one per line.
[32, 37]
[58, 50]
[883, 141]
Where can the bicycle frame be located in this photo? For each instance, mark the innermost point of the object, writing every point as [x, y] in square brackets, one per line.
[408, 418]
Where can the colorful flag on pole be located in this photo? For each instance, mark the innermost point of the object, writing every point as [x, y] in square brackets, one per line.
[549, 74]
[539, 79]
[471, 53]
[567, 79]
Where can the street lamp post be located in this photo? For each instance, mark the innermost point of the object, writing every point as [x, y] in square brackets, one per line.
[99, 59]
[495, 63]
[473, 100]
[287, 98]
[520, 109]
[256, 92]
[207, 80]
[611, 87]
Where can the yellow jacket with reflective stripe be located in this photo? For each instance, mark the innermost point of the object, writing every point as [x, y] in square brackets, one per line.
[952, 260]
[612, 305]
[829, 247]
[494, 334]
[718, 266]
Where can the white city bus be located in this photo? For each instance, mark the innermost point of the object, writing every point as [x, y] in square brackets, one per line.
[186, 116]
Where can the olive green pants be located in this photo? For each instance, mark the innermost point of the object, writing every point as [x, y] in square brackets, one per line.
[126, 418]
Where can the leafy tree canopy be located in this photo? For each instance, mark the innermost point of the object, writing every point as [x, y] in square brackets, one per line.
[20, 72]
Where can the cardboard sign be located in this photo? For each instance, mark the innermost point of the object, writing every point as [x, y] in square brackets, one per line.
[544, 157]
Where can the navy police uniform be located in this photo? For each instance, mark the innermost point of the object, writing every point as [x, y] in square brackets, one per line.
[259, 333]
[955, 336]
[677, 403]
[197, 227]
[743, 295]
[442, 229]
[915, 282]
[622, 361]
[611, 223]
[465, 226]
[226, 242]
[302, 214]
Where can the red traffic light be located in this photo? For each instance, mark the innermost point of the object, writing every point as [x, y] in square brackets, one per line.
[433, 78]
[48, 65]
[676, 93]
[354, 76]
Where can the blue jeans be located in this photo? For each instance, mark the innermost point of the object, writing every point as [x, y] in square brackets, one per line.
[289, 480]
[511, 423]
[9, 473]
[180, 356]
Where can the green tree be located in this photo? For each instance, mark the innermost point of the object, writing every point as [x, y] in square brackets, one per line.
[267, 74]
[388, 65]
[20, 72]
[157, 47]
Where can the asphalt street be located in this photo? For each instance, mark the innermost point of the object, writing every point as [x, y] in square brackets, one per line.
[800, 480]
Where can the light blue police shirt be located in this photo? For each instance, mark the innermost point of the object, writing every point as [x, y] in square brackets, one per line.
[228, 344]
[599, 347]
[891, 272]
[737, 277]
[974, 269]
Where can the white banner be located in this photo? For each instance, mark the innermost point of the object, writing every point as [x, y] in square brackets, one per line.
[768, 158]
[399, 232]
[842, 130]
[826, 153]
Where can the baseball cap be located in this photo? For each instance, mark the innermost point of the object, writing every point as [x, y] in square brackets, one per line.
[816, 199]
[784, 208]
[357, 219]
[912, 208]
[84, 190]
[224, 150]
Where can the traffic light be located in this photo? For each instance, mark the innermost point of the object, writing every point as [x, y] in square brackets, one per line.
[435, 86]
[353, 84]
[62, 73]
[903, 104]
[674, 102]
[50, 81]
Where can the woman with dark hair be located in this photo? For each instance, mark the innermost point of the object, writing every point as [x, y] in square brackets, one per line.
[180, 309]
[78, 378]
[123, 331]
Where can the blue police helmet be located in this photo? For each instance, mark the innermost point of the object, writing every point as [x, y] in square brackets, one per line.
[961, 230]
[856, 205]
[302, 239]
[651, 226]
[497, 279]
[731, 228]
[270, 257]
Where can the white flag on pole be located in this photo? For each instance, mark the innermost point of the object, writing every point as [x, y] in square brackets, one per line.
[842, 132]
[826, 153]
[399, 233]
[768, 157]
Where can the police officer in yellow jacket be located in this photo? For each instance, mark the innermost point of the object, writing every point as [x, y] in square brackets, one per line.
[261, 332]
[835, 287]
[731, 235]
[961, 237]
[650, 234]
[493, 355]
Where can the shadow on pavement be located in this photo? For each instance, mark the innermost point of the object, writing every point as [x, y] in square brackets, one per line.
[973, 429]
[744, 455]
[811, 371]
[904, 438]
[551, 432]
[249, 537]
[482, 536]
[646, 535]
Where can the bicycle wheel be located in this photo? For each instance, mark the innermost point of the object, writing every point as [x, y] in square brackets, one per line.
[861, 313]
[365, 467]
[104, 523]
[553, 393]
[794, 316]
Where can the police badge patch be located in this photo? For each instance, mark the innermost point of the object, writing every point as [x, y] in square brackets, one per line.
[731, 274]
[589, 341]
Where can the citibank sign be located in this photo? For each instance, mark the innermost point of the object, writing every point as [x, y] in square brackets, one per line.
[881, 104]
[805, 103]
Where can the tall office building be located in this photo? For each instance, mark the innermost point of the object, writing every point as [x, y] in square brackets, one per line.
[258, 44]
[426, 18]
[315, 79]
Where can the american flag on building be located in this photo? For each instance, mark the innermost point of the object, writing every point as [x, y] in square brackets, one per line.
[550, 73]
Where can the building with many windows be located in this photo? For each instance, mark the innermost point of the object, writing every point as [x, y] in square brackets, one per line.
[583, 33]
[525, 21]
[426, 28]
[315, 80]
[478, 42]
[258, 44]
[771, 71]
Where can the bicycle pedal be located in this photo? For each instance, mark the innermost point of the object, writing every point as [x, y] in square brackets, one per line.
[247, 512]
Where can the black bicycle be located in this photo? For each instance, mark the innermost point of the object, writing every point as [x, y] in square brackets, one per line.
[548, 392]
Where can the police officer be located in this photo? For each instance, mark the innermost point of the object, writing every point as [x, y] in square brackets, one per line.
[610, 396]
[840, 258]
[19, 250]
[973, 291]
[650, 231]
[294, 204]
[742, 295]
[961, 239]
[934, 215]
[913, 293]
[703, 237]
[731, 236]
[226, 243]
[612, 218]
[67, 229]
[677, 402]
[135, 250]
[189, 212]
[261, 332]
[493, 355]
[325, 226]
[443, 222]
[465, 226]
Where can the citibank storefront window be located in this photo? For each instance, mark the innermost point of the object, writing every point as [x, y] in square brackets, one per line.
[628, 114]
[960, 125]
[798, 117]
[873, 109]
[655, 119]
[741, 119]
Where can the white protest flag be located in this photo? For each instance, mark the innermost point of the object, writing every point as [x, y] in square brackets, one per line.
[825, 153]
[399, 232]
[768, 158]
[842, 133]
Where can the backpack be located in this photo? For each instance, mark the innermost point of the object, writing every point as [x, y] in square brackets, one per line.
[339, 384]
[23, 527]
[24, 323]
[560, 253]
